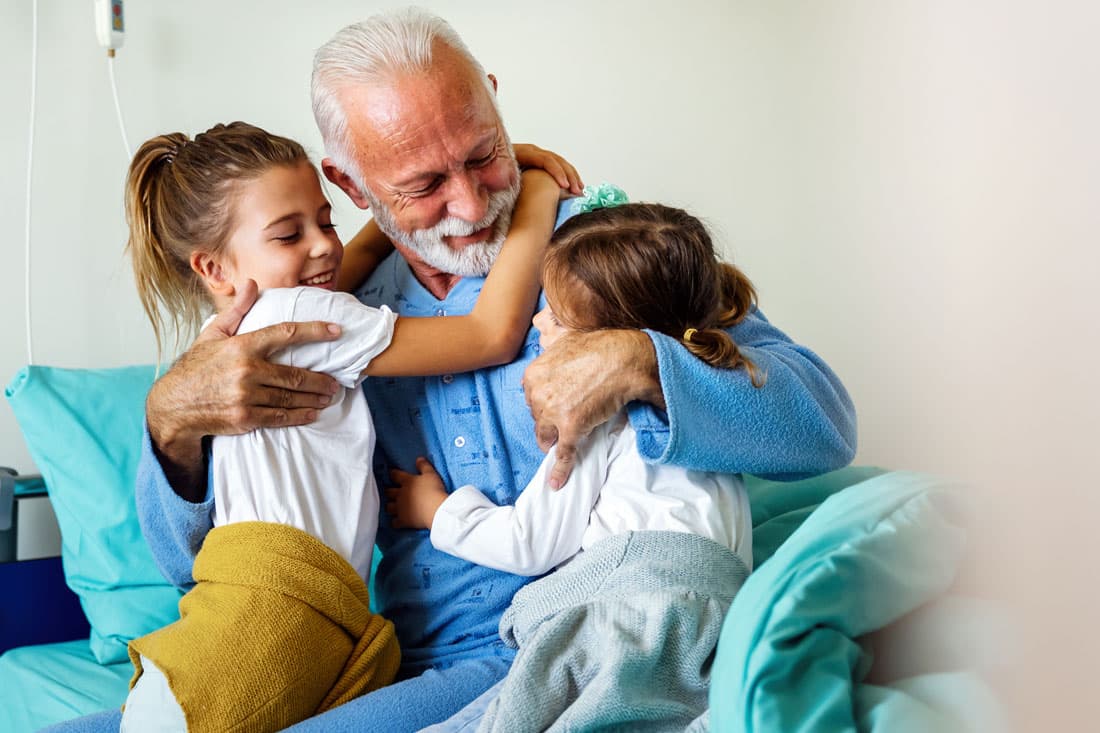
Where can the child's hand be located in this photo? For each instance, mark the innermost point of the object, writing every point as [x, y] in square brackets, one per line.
[560, 169]
[417, 496]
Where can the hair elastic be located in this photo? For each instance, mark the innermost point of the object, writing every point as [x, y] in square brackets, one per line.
[689, 333]
[603, 196]
[175, 149]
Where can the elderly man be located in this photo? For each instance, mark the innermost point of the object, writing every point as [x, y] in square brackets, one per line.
[413, 133]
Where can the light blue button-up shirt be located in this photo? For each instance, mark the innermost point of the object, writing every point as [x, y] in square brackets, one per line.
[475, 428]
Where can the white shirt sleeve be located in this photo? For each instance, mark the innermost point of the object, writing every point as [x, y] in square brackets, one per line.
[542, 530]
[366, 333]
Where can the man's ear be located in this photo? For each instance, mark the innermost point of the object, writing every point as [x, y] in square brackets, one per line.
[346, 183]
[493, 79]
[207, 267]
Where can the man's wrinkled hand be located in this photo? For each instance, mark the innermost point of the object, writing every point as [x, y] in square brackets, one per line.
[225, 384]
[581, 382]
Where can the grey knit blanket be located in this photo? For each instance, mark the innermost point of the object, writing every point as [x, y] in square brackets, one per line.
[620, 638]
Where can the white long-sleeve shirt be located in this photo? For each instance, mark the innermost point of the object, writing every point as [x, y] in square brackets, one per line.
[611, 490]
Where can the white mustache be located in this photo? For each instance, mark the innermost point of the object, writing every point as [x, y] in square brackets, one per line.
[452, 226]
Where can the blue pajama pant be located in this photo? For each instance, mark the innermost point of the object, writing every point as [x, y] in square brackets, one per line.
[408, 705]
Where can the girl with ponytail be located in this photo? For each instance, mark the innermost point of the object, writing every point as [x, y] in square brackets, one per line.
[207, 216]
[670, 546]
[648, 266]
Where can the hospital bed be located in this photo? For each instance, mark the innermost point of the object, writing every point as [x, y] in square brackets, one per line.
[843, 561]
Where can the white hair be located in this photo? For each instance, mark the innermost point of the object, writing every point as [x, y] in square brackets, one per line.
[373, 51]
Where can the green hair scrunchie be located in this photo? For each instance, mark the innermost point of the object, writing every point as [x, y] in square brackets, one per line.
[603, 196]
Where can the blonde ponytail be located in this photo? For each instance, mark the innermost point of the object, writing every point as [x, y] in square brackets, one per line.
[170, 292]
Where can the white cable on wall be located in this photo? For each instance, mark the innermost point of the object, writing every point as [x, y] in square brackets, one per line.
[118, 107]
[30, 170]
[113, 39]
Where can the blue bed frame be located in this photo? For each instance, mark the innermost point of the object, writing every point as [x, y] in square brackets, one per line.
[36, 607]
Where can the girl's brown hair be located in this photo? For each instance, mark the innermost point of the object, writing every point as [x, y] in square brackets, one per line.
[179, 198]
[651, 266]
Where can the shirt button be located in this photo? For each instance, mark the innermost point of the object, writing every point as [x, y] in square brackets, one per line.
[460, 441]
[440, 312]
[448, 378]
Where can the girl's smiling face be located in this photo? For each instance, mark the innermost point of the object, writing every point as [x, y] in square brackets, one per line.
[282, 233]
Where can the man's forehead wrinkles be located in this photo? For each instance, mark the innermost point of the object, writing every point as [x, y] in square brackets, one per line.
[406, 139]
[403, 140]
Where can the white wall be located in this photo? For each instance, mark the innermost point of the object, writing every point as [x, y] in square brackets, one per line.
[906, 181]
[589, 80]
[909, 183]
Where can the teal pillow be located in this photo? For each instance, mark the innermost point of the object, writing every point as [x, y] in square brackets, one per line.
[83, 428]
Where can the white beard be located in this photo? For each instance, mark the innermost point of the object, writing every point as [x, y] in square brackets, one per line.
[473, 260]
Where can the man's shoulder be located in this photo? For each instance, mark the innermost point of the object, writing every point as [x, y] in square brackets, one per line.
[381, 288]
[566, 211]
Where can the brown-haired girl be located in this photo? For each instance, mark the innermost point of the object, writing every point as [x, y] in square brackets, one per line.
[654, 549]
[647, 266]
[279, 621]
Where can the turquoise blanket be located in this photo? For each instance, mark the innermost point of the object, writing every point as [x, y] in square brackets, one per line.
[797, 649]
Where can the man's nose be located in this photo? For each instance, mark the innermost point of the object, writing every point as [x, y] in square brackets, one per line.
[467, 199]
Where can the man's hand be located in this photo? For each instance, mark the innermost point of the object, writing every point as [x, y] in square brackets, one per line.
[417, 496]
[225, 385]
[581, 382]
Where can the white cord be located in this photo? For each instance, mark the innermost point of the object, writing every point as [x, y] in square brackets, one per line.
[30, 169]
[118, 107]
